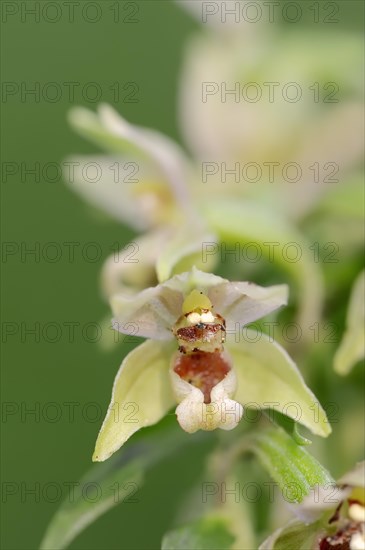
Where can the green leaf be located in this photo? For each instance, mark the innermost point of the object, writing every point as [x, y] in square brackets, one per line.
[141, 396]
[294, 535]
[210, 533]
[248, 221]
[289, 425]
[289, 464]
[116, 481]
[112, 483]
[269, 379]
[352, 347]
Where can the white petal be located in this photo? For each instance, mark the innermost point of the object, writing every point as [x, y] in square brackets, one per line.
[155, 310]
[188, 281]
[152, 312]
[110, 183]
[244, 302]
[354, 478]
[318, 501]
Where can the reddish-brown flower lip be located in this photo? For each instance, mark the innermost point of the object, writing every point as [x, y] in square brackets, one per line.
[202, 369]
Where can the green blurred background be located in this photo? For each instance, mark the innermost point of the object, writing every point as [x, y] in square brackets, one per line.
[37, 450]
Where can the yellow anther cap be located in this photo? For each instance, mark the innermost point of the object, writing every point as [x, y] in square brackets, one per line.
[196, 300]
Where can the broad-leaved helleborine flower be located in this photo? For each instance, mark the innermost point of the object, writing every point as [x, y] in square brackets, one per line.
[332, 517]
[199, 357]
[143, 182]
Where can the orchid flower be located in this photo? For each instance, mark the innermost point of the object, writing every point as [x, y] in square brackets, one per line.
[160, 169]
[221, 122]
[196, 358]
[331, 517]
[143, 184]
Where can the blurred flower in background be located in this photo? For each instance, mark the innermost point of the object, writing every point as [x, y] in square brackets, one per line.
[259, 94]
[141, 182]
[274, 105]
